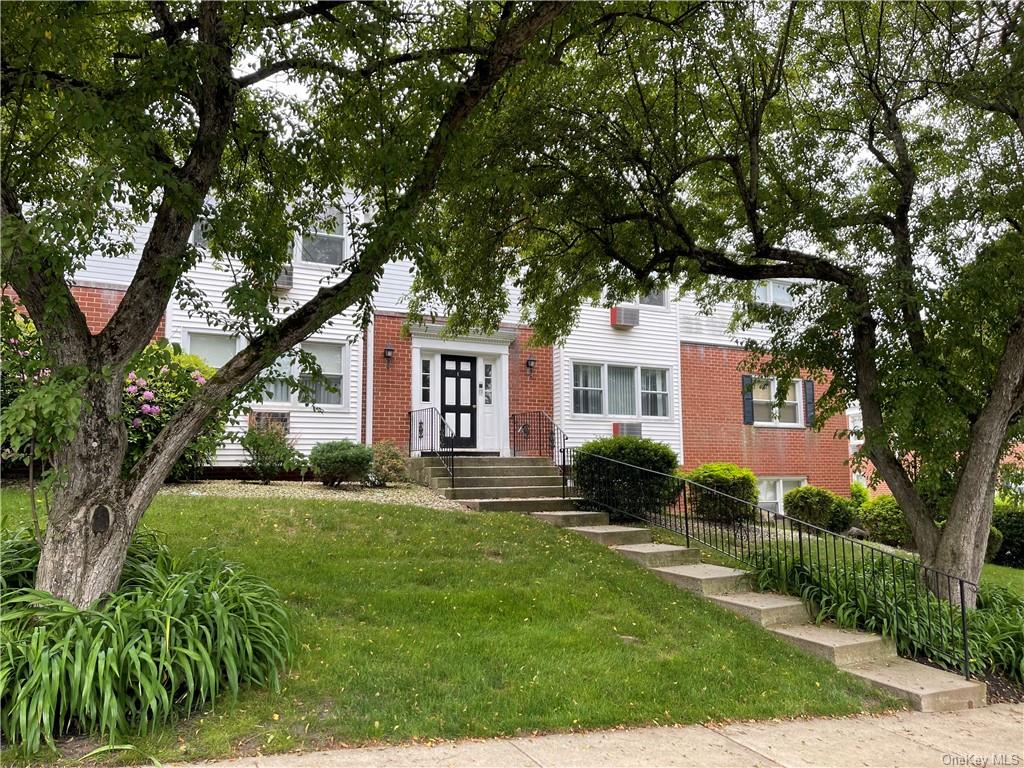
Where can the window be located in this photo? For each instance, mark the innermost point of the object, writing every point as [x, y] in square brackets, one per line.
[278, 390]
[425, 381]
[654, 298]
[215, 348]
[621, 391]
[330, 359]
[325, 247]
[199, 230]
[772, 490]
[270, 419]
[777, 292]
[764, 393]
[653, 392]
[629, 390]
[488, 383]
[586, 389]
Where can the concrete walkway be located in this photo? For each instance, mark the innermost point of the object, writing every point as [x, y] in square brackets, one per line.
[984, 738]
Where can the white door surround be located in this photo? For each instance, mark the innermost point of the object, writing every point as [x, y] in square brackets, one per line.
[491, 379]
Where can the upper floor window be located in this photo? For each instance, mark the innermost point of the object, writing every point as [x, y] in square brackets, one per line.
[199, 234]
[324, 247]
[654, 298]
[764, 394]
[215, 348]
[777, 292]
[327, 389]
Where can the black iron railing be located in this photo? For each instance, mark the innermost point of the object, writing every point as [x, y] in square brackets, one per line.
[430, 435]
[534, 433]
[924, 611]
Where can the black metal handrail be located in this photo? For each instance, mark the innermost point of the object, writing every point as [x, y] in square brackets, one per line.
[430, 435]
[758, 538]
[534, 433]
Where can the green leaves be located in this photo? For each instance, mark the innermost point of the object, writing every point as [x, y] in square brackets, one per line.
[175, 635]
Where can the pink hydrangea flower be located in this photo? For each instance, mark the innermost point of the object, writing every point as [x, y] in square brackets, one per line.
[131, 376]
[142, 382]
[132, 389]
[155, 409]
[147, 408]
[147, 395]
[136, 422]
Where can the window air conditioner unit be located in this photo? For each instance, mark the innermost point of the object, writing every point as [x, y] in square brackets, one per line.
[628, 429]
[625, 317]
[283, 281]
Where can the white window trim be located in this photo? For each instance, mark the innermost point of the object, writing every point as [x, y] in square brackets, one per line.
[778, 489]
[605, 413]
[776, 424]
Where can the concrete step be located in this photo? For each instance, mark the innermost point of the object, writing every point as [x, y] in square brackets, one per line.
[765, 608]
[705, 579]
[659, 555]
[843, 647]
[488, 481]
[611, 535]
[501, 492]
[524, 505]
[440, 473]
[474, 462]
[574, 518]
[925, 688]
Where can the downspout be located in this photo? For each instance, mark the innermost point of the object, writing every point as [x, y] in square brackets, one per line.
[368, 394]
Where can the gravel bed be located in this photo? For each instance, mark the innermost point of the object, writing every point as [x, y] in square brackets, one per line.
[402, 493]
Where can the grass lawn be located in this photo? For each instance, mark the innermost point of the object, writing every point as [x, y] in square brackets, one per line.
[422, 624]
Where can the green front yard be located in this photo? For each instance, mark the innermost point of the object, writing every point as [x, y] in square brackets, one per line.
[423, 624]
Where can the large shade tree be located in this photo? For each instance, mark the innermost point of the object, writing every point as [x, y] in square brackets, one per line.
[873, 153]
[258, 117]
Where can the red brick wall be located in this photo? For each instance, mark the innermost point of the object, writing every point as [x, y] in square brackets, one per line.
[529, 392]
[98, 305]
[392, 387]
[713, 428]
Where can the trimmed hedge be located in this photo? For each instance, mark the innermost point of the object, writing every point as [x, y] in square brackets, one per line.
[820, 507]
[177, 633]
[734, 481]
[885, 522]
[341, 461]
[1008, 517]
[606, 474]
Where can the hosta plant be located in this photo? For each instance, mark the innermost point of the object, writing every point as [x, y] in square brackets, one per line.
[178, 633]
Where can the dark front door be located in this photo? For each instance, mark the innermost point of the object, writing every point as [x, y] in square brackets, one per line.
[458, 398]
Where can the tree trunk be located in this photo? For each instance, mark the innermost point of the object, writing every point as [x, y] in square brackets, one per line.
[89, 523]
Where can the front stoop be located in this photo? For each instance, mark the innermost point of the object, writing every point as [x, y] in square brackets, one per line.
[843, 647]
[925, 688]
[704, 579]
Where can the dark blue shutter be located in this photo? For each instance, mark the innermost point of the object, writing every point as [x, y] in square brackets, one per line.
[809, 403]
[748, 399]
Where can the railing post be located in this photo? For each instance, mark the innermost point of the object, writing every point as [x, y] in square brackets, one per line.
[686, 516]
[963, 631]
[565, 479]
[410, 434]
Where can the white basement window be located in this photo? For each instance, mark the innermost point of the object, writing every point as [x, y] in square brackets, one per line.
[772, 490]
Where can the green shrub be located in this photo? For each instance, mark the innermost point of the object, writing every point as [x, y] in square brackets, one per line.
[737, 483]
[859, 496]
[177, 633]
[1008, 517]
[341, 461]
[610, 473]
[268, 452]
[388, 465]
[818, 506]
[885, 522]
[870, 592]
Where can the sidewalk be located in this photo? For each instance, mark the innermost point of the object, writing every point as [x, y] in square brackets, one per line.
[982, 738]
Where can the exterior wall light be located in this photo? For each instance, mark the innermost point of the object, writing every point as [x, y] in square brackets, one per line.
[530, 365]
[389, 354]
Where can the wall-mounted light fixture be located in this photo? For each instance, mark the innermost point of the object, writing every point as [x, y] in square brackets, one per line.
[389, 354]
[530, 365]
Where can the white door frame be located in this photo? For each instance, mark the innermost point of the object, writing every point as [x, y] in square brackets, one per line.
[430, 344]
